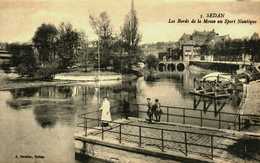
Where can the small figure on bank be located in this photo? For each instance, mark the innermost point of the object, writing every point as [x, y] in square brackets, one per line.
[157, 110]
[126, 108]
[106, 114]
[149, 109]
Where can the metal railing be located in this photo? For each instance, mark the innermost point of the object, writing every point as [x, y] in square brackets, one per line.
[188, 145]
[221, 119]
[167, 139]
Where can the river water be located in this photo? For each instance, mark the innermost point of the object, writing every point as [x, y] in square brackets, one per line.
[38, 124]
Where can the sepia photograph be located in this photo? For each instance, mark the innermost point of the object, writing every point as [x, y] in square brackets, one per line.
[130, 81]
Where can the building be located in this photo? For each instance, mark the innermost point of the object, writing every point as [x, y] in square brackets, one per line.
[5, 56]
[194, 46]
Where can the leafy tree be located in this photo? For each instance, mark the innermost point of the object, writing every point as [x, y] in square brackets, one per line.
[102, 27]
[68, 45]
[84, 58]
[130, 36]
[44, 40]
[23, 59]
[151, 61]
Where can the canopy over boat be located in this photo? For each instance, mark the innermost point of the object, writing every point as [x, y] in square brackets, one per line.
[217, 76]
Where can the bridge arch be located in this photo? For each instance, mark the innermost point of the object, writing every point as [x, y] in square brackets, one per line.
[171, 67]
[180, 67]
[161, 67]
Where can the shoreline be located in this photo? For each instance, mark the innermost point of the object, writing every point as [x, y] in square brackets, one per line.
[18, 83]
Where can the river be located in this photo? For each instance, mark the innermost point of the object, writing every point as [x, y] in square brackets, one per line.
[37, 124]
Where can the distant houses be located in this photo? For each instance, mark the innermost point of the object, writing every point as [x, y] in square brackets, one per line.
[201, 46]
[5, 56]
[195, 46]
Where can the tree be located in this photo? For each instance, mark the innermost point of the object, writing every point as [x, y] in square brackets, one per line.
[130, 36]
[84, 58]
[102, 27]
[151, 62]
[68, 45]
[44, 40]
[23, 59]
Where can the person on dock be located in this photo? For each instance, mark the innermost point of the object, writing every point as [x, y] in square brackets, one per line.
[149, 110]
[157, 110]
[106, 114]
[126, 108]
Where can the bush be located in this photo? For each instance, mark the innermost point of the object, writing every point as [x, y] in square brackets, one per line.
[47, 72]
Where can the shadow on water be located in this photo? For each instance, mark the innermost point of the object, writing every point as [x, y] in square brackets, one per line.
[45, 115]
[81, 158]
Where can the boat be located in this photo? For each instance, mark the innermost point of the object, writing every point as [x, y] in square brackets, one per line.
[217, 77]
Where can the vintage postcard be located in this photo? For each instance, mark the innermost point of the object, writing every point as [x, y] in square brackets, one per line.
[129, 81]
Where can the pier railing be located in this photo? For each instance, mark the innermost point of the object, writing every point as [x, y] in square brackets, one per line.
[202, 118]
[166, 140]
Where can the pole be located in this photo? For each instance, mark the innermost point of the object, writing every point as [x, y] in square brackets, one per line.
[120, 135]
[183, 110]
[162, 140]
[239, 122]
[86, 126]
[102, 128]
[140, 136]
[186, 144]
[211, 146]
[167, 114]
[219, 120]
[201, 118]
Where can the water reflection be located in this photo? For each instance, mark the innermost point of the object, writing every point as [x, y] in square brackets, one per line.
[54, 110]
[24, 92]
[45, 115]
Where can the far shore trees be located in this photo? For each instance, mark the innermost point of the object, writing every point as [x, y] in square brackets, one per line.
[68, 45]
[151, 62]
[103, 29]
[23, 59]
[131, 37]
[52, 50]
[234, 49]
[44, 41]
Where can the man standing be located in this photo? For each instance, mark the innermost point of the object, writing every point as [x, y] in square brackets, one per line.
[106, 114]
[126, 108]
[157, 110]
[149, 109]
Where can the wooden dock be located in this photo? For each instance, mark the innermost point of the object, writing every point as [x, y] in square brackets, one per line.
[211, 94]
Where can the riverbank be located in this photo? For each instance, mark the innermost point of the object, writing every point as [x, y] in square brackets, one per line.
[251, 104]
[14, 81]
[88, 76]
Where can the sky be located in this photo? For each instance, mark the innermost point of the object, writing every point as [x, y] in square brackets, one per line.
[20, 18]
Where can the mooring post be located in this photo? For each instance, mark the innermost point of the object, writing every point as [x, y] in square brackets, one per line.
[83, 149]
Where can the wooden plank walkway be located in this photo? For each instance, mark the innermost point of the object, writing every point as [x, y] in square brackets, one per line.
[149, 140]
